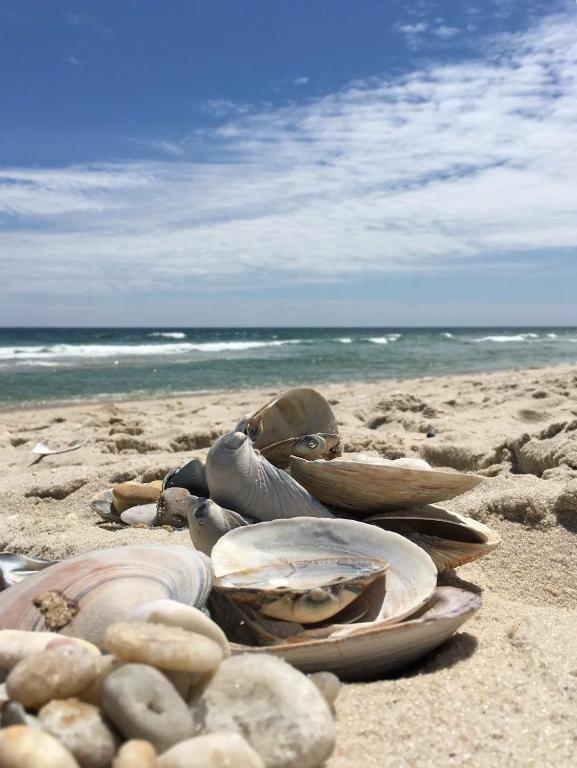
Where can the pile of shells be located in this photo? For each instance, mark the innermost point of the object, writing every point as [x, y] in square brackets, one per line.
[300, 553]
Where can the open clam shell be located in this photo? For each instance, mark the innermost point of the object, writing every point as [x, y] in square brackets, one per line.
[410, 579]
[375, 649]
[306, 591]
[363, 488]
[449, 538]
[15, 568]
[82, 596]
[241, 479]
[291, 414]
[208, 522]
[102, 504]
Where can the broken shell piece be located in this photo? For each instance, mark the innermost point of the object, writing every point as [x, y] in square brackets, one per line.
[377, 649]
[208, 522]
[101, 503]
[362, 488]
[291, 414]
[410, 579]
[449, 538]
[102, 587]
[15, 568]
[306, 591]
[239, 478]
[127, 495]
[41, 449]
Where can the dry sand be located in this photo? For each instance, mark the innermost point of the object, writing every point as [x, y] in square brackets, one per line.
[503, 692]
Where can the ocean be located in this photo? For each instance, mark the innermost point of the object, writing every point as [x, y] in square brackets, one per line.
[67, 364]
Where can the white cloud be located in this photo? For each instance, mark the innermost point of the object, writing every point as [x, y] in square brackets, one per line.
[447, 168]
[300, 80]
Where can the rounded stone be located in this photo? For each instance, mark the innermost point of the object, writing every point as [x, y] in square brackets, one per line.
[279, 711]
[174, 614]
[58, 673]
[104, 666]
[142, 704]
[328, 684]
[24, 747]
[163, 647]
[135, 753]
[133, 494]
[16, 644]
[213, 750]
[143, 515]
[80, 727]
[173, 505]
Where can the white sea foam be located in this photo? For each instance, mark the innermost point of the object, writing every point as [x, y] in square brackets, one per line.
[63, 351]
[345, 340]
[169, 334]
[447, 335]
[505, 339]
[380, 340]
[552, 336]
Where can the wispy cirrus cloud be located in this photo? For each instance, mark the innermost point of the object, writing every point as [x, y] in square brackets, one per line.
[452, 166]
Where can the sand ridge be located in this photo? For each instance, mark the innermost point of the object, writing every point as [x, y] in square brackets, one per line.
[504, 690]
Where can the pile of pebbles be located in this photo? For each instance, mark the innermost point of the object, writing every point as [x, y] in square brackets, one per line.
[166, 694]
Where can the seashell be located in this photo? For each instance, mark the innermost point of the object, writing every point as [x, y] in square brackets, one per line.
[363, 488]
[101, 503]
[292, 413]
[82, 596]
[208, 522]
[191, 476]
[239, 478]
[449, 538]
[376, 649]
[15, 568]
[41, 449]
[411, 577]
[307, 447]
[305, 591]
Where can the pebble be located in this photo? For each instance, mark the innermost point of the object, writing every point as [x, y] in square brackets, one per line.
[16, 644]
[143, 515]
[24, 747]
[58, 673]
[163, 647]
[80, 727]
[104, 666]
[328, 684]
[142, 704]
[173, 506]
[280, 712]
[128, 495]
[135, 753]
[214, 750]
[174, 614]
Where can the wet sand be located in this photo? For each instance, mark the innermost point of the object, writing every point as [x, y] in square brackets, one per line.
[501, 692]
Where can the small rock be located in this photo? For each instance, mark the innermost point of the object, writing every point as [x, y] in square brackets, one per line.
[143, 515]
[328, 684]
[173, 506]
[280, 712]
[104, 666]
[142, 704]
[135, 753]
[16, 644]
[55, 674]
[131, 494]
[174, 614]
[24, 747]
[163, 647]
[213, 750]
[13, 713]
[82, 730]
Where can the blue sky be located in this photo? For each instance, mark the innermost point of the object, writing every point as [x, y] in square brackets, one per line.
[289, 162]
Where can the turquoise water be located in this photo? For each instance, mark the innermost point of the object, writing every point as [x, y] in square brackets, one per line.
[64, 364]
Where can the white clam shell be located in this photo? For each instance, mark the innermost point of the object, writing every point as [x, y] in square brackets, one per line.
[410, 579]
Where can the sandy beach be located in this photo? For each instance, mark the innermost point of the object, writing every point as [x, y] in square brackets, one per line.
[501, 692]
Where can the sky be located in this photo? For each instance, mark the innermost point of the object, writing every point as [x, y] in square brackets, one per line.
[288, 162]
